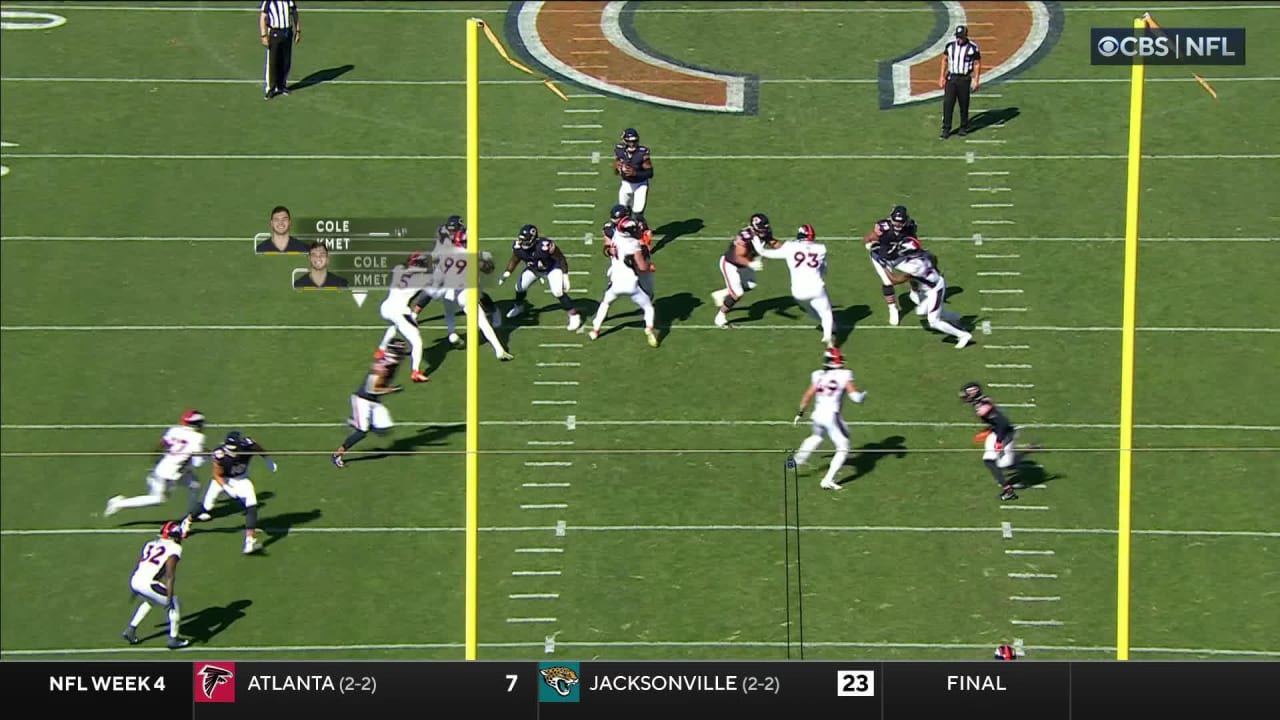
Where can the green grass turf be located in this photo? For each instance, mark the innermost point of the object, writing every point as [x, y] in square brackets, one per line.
[673, 544]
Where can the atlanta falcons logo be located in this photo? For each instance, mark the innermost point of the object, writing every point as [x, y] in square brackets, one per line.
[213, 677]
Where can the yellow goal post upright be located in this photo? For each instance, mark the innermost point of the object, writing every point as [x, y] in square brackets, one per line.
[473, 334]
[1132, 193]
[473, 28]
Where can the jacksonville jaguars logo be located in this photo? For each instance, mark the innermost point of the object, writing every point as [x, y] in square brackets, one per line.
[560, 678]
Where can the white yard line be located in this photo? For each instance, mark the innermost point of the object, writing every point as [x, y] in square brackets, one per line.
[560, 328]
[305, 157]
[706, 237]
[674, 422]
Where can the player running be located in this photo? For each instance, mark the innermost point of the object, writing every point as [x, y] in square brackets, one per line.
[154, 580]
[402, 305]
[828, 388]
[884, 244]
[542, 259]
[739, 264]
[932, 288]
[628, 263]
[182, 447]
[807, 260]
[367, 411]
[231, 476]
[999, 440]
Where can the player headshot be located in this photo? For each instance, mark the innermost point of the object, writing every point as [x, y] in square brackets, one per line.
[281, 241]
[318, 275]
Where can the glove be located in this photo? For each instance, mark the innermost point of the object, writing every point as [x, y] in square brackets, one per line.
[858, 397]
[271, 465]
[756, 264]
[504, 277]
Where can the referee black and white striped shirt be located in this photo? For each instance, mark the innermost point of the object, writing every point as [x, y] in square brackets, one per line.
[961, 56]
[281, 14]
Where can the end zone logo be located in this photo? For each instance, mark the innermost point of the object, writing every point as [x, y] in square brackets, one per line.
[215, 682]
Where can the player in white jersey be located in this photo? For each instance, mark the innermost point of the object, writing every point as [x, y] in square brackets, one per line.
[827, 388]
[154, 579]
[182, 447]
[628, 265]
[450, 258]
[807, 260]
[400, 308]
[932, 288]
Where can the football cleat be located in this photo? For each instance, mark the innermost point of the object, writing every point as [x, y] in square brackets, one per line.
[515, 310]
[506, 356]
[964, 341]
[575, 322]
[178, 643]
[204, 517]
[419, 377]
[652, 337]
[130, 635]
[455, 340]
[832, 358]
[337, 461]
[1007, 493]
[593, 334]
[830, 485]
[113, 506]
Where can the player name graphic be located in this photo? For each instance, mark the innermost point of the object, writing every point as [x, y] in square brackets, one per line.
[106, 683]
[665, 683]
[970, 683]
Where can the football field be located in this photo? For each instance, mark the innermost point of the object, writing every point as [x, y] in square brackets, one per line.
[631, 499]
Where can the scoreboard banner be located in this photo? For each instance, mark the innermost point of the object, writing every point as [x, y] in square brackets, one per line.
[668, 690]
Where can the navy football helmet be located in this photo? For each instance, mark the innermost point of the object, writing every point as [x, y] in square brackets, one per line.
[528, 236]
[618, 212]
[631, 138]
[899, 217]
[760, 224]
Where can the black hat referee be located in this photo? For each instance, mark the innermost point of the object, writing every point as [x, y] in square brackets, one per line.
[961, 67]
[279, 28]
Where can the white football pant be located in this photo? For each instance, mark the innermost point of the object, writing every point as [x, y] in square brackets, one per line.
[634, 195]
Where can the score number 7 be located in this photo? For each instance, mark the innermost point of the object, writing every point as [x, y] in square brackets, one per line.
[511, 682]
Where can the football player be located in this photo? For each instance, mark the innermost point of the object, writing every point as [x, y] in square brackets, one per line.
[828, 388]
[999, 439]
[919, 266]
[154, 580]
[231, 476]
[884, 244]
[367, 411]
[807, 260]
[542, 259]
[618, 214]
[182, 448]
[451, 260]
[402, 305]
[739, 264]
[628, 262]
[632, 163]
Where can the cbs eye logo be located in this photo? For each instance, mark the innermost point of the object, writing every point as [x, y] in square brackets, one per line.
[1108, 46]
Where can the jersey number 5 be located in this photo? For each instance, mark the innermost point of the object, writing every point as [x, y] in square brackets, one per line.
[799, 259]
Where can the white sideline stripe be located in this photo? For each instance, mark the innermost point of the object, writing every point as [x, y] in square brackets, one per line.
[1024, 507]
[539, 550]
[1012, 385]
[679, 528]
[990, 205]
[553, 402]
[1038, 623]
[1020, 405]
[673, 422]
[841, 9]
[1004, 309]
[556, 382]
[545, 506]
[984, 256]
[545, 485]
[549, 442]
[1033, 576]
[1008, 291]
[1006, 347]
[534, 596]
[996, 273]
[577, 172]
[531, 620]
[441, 82]
[555, 463]
[185, 157]
[559, 364]
[1035, 598]
[1008, 366]
[535, 573]
[686, 238]
[1028, 552]
[560, 328]
[117, 649]
[560, 345]
[988, 172]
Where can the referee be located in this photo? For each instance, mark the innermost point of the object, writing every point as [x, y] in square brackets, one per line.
[279, 28]
[961, 66]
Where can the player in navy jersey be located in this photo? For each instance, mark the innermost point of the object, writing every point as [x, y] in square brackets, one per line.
[231, 476]
[632, 163]
[542, 260]
[367, 411]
